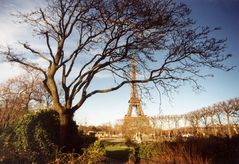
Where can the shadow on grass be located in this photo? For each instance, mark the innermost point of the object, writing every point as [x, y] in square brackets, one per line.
[118, 153]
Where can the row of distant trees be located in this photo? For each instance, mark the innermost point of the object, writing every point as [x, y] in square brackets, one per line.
[219, 119]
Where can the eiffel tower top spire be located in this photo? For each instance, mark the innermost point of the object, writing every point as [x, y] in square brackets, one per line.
[134, 102]
[134, 90]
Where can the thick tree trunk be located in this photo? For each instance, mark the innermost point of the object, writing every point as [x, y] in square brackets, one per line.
[68, 131]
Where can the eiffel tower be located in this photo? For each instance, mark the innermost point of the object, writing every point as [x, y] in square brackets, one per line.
[134, 102]
[139, 123]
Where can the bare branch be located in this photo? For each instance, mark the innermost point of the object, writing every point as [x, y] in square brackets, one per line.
[25, 45]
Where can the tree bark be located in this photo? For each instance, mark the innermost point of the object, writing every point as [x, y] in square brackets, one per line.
[67, 131]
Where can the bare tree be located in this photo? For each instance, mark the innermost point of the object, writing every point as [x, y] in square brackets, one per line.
[87, 37]
[18, 94]
[194, 118]
[218, 114]
[234, 104]
[203, 114]
[228, 107]
[211, 112]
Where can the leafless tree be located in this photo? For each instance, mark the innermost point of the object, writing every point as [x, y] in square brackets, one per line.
[218, 113]
[88, 37]
[234, 104]
[18, 94]
[211, 112]
[229, 107]
[203, 117]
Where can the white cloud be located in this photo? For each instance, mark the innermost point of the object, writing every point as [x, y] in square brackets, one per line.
[10, 31]
[9, 71]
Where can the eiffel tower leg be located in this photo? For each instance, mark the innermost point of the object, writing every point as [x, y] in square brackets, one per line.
[139, 110]
[130, 110]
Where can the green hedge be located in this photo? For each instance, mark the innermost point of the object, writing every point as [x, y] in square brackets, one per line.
[33, 138]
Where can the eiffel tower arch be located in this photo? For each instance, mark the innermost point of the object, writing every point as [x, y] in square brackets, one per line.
[139, 123]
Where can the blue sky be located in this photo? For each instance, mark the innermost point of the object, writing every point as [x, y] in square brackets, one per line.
[110, 107]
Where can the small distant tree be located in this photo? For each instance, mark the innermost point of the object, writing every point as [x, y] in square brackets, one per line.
[212, 117]
[85, 38]
[227, 108]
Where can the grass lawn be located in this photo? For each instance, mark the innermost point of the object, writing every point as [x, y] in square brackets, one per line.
[118, 152]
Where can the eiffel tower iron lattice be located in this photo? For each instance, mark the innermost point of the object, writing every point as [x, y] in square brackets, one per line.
[134, 102]
[138, 124]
